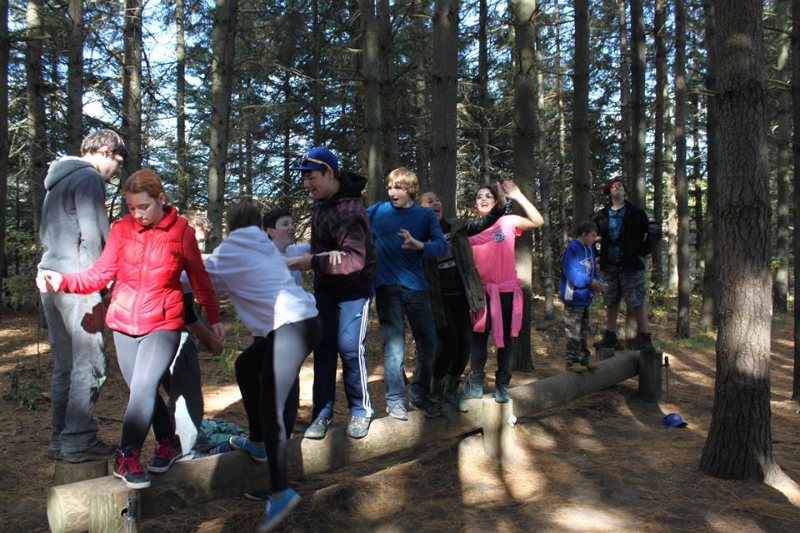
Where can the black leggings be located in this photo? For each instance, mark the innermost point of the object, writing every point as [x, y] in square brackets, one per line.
[143, 361]
[455, 339]
[267, 389]
[480, 340]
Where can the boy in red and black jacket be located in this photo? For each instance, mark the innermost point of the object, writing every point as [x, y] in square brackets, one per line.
[342, 288]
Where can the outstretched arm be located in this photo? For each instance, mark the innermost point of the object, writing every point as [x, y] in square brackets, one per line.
[532, 218]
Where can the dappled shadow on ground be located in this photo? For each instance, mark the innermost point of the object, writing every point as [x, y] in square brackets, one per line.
[602, 463]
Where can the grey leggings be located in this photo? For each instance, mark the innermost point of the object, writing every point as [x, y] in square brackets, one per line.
[143, 360]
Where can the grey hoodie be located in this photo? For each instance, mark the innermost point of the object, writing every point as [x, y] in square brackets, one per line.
[74, 221]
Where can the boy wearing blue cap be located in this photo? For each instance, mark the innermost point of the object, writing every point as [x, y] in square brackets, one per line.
[342, 288]
[579, 280]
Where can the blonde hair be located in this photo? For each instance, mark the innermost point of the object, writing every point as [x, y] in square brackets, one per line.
[405, 179]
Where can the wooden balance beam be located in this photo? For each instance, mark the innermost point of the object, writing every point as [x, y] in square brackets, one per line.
[100, 504]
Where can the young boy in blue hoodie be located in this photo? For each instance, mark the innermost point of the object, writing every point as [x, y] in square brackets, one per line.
[579, 280]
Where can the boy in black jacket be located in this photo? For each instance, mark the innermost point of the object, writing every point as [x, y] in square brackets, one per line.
[626, 237]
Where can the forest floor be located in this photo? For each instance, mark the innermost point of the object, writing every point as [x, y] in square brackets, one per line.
[602, 463]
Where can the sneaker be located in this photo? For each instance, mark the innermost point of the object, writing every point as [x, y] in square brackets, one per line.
[258, 495]
[358, 427]
[53, 454]
[99, 451]
[501, 394]
[277, 507]
[397, 411]
[243, 443]
[451, 394]
[429, 408]
[318, 428]
[128, 468]
[167, 452]
[590, 365]
[576, 367]
[609, 341]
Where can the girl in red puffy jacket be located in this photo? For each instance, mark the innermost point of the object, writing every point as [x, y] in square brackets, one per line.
[145, 254]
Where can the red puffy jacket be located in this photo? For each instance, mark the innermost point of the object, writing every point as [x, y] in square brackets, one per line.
[147, 264]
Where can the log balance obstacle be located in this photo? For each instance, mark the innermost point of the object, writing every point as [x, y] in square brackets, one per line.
[101, 504]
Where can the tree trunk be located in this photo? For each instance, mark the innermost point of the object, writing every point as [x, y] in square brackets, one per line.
[223, 41]
[545, 177]
[625, 91]
[661, 93]
[372, 101]
[783, 157]
[132, 86]
[390, 158]
[562, 138]
[4, 55]
[681, 182]
[670, 208]
[75, 78]
[638, 105]
[582, 206]
[796, 161]
[317, 82]
[36, 110]
[522, 13]
[444, 87]
[697, 192]
[484, 163]
[182, 175]
[739, 443]
[709, 313]
[421, 107]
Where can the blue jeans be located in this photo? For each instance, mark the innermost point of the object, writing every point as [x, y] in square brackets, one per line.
[75, 328]
[394, 303]
[344, 331]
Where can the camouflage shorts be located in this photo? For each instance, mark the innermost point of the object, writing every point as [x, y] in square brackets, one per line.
[618, 284]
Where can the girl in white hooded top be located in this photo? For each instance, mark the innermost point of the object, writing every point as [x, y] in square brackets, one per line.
[283, 319]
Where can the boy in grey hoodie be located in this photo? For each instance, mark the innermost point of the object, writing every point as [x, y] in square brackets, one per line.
[73, 232]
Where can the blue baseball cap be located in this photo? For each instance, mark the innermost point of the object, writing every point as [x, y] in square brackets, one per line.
[674, 420]
[317, 159]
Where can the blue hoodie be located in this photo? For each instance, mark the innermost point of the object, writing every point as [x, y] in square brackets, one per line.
[578, 269]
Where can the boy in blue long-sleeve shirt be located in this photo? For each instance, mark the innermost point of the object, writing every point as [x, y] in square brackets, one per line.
[579, 281]
[405, 233]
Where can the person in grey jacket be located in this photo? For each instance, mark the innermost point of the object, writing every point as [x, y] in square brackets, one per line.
[73, 232]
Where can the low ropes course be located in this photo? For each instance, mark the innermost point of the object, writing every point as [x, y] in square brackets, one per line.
[106, 504]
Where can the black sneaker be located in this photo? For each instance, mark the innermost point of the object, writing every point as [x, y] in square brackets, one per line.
[99, 451]
[646, 342]
[609, 341]
[167, 452]
[129, 469]
[430, 409]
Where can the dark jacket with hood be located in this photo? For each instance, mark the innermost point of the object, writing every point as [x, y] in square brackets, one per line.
[74, 224]
[638, 238]
[341, 223]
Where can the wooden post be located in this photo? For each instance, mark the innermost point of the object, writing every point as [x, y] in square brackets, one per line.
[74, 472]
[650, 376]
[116, 510]
[498, 429]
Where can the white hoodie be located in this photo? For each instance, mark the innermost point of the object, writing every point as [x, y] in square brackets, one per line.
[249, 267]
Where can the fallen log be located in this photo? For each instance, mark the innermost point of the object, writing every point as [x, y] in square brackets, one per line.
[210, 478]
